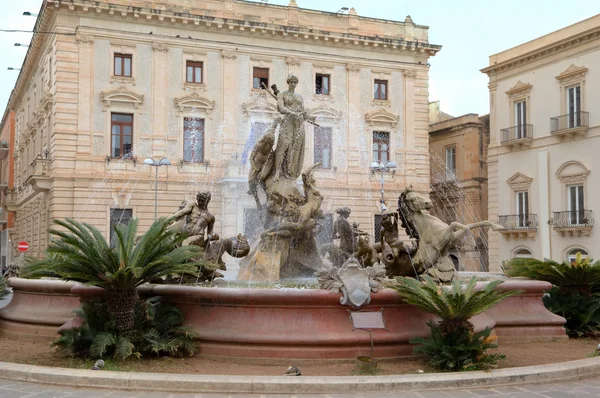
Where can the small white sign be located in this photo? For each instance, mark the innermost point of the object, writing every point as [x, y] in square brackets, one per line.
[367, 320]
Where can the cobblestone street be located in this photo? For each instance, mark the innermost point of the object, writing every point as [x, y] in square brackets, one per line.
[581, 389]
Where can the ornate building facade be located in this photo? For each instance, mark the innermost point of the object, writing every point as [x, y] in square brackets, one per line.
[458, 147]
[122, 81]
[545, 132]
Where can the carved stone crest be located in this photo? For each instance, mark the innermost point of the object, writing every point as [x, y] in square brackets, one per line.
[354, 282]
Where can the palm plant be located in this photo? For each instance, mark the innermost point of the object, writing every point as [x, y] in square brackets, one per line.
[581, 276]
[575, 294]
[157, 332]
[79, 252]
[454, 305]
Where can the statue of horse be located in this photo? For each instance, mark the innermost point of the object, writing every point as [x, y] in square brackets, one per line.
[435, 238]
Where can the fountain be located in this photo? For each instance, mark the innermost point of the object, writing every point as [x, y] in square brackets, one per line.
[307, 323]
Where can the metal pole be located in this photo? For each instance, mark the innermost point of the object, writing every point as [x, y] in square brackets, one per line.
[381, 202]
[156, 192]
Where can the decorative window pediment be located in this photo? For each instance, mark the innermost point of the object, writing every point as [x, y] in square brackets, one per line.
[194, 101]
[573, 73]
[120, 96]
[382, 117]
[260, 107]
[519, 182]
[325, 112]
[572, 172]
[519, 90]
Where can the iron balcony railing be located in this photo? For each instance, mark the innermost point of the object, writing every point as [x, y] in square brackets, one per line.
[517, 132]
[570, 121]
[573, 219]
[519, 221]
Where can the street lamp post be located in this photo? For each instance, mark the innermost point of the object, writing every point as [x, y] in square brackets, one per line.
[156, 164]
[389, 167]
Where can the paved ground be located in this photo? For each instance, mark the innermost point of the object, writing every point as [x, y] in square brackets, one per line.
[583, 389]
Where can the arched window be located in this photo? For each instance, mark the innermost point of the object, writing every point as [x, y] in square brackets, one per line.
[523, 253]
[573, 254]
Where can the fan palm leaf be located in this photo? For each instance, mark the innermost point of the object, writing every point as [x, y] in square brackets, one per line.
[79, 252]
[455, 305]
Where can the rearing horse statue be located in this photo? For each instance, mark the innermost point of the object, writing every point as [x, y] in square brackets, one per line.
[435, 238]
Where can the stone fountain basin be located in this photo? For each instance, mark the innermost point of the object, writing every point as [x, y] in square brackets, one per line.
[284, 324]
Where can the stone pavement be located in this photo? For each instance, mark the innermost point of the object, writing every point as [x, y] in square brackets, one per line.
[581, 389]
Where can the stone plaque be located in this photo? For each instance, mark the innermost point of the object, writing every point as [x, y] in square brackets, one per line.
[367, 320]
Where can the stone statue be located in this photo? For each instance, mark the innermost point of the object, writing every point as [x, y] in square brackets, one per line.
[194, 219]
[434, 237]
[261, 161]
[289, 154]
[287, 247]
[236, 247]
[197, 222]
[343, 231]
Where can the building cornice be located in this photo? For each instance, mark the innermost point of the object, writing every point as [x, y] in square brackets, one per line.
[36, 46]
[232, 25]
[545, 51]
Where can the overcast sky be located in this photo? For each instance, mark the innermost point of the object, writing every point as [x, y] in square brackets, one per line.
[468, 30]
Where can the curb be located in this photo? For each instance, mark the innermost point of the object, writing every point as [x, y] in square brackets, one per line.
[564, 371]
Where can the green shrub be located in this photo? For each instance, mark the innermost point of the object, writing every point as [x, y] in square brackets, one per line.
[575, 294]
[157, 332]
[453, 345]
[582, 312]
[455, 352]
[79, 252]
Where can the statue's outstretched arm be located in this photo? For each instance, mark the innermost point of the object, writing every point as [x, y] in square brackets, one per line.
[184, 212]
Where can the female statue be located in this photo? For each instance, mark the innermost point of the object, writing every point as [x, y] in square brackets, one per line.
[289, 155]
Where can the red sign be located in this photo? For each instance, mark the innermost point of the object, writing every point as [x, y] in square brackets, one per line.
[23, 246]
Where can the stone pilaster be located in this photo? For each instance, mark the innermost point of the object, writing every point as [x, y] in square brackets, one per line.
[159, 104]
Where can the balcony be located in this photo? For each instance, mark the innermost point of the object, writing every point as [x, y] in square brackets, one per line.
[518, 226]
[39, 174]
[10, 200]
[573, 223]
[573, 124]
[517, 136]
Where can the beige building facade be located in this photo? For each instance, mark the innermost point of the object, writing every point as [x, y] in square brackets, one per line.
[123, 81]
[545, 137]
[458, 148]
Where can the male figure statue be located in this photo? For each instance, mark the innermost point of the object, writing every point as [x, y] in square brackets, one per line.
[197, 220]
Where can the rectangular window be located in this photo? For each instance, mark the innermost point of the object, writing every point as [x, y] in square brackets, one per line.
[322, 84]
[377, 229]
[123, 65]
[576, 204]
[193, 72]
[121, 126]
[451, 163]
[522, 208]
[118, 217]
[380, 90]
[521, 119]
[323, 146]
[381, 147]
[193, 140]
[574, 106]
[260, 78]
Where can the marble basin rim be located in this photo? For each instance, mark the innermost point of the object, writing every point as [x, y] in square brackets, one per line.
[282, 324]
